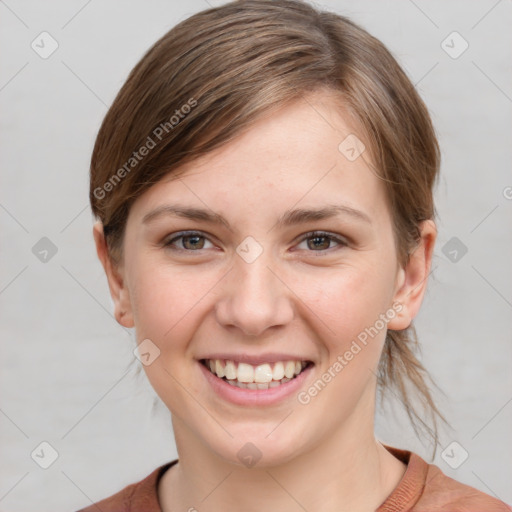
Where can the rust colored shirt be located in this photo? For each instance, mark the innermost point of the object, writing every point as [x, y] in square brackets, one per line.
[423, 488]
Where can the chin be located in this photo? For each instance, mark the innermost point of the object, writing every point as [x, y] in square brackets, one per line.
[255, 448]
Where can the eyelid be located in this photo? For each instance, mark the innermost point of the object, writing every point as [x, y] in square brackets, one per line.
[332, 236]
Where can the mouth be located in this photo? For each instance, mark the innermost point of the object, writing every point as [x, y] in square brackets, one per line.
[256, 377]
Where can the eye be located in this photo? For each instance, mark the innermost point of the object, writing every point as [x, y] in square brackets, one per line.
[320, 241]
[194, 241]
[191, 241]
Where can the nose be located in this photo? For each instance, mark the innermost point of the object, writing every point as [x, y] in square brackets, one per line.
[254, 298]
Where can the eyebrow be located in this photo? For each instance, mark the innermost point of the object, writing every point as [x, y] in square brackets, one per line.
[289, 218]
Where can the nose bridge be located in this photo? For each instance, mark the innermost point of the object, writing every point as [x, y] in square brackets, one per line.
[254, 299]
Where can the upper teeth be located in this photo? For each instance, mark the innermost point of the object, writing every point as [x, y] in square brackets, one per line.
[262, 373]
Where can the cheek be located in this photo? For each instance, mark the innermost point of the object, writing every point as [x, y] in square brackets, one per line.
[167, 309]
[347, 304]
[163, 298]
[347, 300]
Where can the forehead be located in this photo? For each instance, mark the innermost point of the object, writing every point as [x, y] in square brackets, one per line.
[307, 153]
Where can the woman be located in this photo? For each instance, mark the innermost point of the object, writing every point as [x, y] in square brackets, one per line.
[263, 183]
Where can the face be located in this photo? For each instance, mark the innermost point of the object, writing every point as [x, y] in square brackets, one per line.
[267, 284]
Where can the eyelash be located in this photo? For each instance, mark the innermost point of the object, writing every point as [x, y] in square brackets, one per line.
[306, 236]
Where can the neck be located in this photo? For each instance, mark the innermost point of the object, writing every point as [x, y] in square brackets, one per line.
[349, 470]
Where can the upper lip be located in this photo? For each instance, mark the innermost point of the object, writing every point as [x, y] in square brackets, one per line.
[255, 359]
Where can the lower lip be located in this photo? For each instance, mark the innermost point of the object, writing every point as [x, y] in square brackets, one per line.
[268, 396]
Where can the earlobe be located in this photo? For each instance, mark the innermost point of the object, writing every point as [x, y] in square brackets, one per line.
[116, 283]
[413, 279]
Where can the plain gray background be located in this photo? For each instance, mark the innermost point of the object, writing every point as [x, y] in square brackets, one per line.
[64, 360]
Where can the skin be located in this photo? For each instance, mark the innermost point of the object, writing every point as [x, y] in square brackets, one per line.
[294, 298]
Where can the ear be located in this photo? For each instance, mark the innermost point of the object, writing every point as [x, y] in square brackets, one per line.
[411, 282]
[116, 283]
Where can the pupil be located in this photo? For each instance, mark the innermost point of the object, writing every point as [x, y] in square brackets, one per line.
[193, 237]
[316, 238]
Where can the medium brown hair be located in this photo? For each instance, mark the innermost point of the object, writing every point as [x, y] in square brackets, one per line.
[215, 73]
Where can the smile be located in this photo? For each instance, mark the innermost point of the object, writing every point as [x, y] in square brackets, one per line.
[256, 377]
